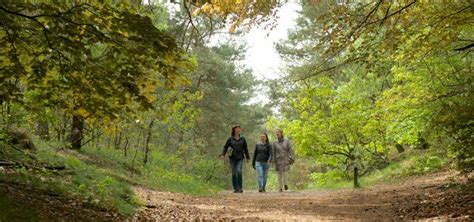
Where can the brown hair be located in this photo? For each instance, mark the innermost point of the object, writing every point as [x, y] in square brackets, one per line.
[281, 131]
[266, 136]
[232, 132]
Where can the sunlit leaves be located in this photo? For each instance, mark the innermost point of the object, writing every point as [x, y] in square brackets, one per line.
[238, 12]
[100, 57]
[417, 81]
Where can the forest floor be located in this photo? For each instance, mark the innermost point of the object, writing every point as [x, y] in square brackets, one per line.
[434, 197]
[442, 196]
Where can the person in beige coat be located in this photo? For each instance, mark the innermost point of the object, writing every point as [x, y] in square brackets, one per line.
[283, 157]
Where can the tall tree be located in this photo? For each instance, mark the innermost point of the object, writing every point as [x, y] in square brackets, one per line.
[92, 60]
[407, 62]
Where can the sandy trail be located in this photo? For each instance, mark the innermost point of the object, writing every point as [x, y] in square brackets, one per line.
[429, 198]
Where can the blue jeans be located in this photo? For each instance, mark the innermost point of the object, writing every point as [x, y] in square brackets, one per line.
[236, 166]
[262, 171]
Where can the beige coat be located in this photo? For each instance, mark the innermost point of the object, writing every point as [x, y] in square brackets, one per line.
[282, 152]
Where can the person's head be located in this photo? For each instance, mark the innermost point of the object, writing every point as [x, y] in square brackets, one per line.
[235, 130]
[264, 138]
[279, 133]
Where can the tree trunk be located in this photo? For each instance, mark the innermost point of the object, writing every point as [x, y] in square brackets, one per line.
[115, 139]
[125, 147]
[96, 133]
[136, 151]
[62, 129]
[399, 147]
[42, 129]
[147, 143]
[118, 139]
[356, 176]
[77, 132]
[58, 133]
[5, 114]
[108, 141]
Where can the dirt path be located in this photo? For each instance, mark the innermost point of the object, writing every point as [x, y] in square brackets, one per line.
[432, 197]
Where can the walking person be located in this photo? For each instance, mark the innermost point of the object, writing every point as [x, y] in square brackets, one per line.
[283, 157]
[261, 160]
[239, 151]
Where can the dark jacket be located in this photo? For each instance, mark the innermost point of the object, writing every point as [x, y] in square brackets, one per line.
[239, 148]
[263, 153]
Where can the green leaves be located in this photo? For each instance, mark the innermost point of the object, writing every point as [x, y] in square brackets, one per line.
[396, 77]
[101, 57]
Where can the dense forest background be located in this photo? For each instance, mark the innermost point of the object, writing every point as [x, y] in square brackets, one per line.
[98, 97]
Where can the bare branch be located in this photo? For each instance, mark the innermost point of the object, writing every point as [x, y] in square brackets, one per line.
[188, 12]
[327, 69]
[386, 13]
[366, 18]
[464, 47]
[393, 13]
[331, 153]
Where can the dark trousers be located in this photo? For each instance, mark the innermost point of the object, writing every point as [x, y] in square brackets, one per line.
[236, 166]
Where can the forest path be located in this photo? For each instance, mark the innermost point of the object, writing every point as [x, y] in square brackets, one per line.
[429, 197]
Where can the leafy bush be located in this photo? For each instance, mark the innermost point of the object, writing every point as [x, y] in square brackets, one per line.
[424, 164]
[326, 180]
[416, 163]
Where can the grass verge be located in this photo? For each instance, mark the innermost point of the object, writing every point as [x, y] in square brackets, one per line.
[101, 178]
[411, 164]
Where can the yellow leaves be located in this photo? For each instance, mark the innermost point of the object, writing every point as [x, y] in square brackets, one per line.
[206, 8]
[399, 57]
[123, 33]
[150, 87]
[233, 27]
[5, 62]
[197, 95]
[81, 112]
[41, 57]
[148, 90]
[111, 129]
[75, 74]
[90, 70]
[82, 31]
[3, 33]
[192, 62]
[87, 13]
[358, 42]
[426, 30]
[239, 10]
[151, 98]
[25, 59]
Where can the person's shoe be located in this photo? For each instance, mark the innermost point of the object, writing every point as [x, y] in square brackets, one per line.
[236, 191]
[260, 190]
[286, 187]
[264, 191]
[281, 190]
[240, 191]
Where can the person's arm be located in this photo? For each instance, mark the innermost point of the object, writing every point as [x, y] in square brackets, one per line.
[270, 157]
[254, 159]
[292, 151]
[226, 146]
[273, 153]
[246, 150]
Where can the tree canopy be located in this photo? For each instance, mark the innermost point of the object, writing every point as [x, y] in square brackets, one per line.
[367, 76]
